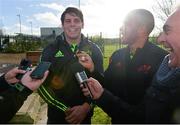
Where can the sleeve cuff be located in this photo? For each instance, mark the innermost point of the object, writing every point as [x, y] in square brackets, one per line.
[104, 99]
[4, 85]
[23, 89]
[108, 102]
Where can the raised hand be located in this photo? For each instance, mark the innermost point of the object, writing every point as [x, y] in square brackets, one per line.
[10, 76]
[85, 60]
[32, 84]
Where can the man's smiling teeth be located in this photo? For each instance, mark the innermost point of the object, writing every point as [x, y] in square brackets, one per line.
[72, 30]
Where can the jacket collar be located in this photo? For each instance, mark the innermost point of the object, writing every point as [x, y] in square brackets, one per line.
[62, 38]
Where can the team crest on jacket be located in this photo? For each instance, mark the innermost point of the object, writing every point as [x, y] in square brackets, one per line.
[57, 82]
[144, 68]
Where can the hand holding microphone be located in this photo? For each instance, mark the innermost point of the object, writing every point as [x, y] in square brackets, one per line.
[26, 65]
[95, 88]
[81, 77]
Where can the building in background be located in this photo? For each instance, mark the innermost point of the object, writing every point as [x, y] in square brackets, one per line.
[50, 33]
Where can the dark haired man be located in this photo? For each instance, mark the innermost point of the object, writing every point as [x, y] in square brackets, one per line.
[62, 82]
[130, 71]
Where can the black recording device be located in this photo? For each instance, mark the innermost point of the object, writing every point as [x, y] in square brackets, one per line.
[39, 71]
[26, 65]
[81, 76]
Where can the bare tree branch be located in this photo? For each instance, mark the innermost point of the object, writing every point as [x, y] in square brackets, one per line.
[162, 9]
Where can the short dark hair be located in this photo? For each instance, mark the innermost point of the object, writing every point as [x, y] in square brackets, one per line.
[142, 17]
[71, 10]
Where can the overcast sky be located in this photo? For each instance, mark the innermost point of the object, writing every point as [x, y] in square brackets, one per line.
[104, 16]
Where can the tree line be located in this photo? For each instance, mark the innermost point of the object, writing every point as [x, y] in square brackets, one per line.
[22, 43]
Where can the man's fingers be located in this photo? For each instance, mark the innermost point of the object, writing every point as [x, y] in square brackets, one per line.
[16, 71]
[91, 81]
[72, 121]
[70, 117]
[83, 56]
[45, 75]
[79, 53]
[73, 116]
[68, 111]
[86, 92]
[20, 71]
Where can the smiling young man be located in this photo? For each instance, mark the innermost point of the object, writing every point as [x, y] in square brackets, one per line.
[164, 95]
[62, 82]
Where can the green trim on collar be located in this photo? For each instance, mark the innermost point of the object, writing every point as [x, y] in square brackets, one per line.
[73, 47]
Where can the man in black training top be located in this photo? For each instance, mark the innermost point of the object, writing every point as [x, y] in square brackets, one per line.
[70, 47]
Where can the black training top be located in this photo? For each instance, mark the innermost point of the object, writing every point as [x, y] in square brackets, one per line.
[61, 80]
[128, 79]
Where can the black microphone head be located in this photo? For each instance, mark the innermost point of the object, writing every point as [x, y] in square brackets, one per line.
[76, 67]
[25, 63]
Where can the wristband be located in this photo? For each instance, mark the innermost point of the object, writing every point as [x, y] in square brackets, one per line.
[19, 86]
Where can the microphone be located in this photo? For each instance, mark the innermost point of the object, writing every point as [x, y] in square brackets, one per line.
[81, 77]
[26, 65]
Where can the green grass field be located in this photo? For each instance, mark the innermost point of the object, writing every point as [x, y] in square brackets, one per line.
[108, 50]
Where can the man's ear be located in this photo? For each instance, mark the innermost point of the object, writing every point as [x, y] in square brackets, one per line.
[142, 30]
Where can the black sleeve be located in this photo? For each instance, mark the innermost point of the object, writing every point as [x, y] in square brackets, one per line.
[113, 105]
[157, 111]
[97, 58]
[3, 84]
[46, 52]
[109, 74]
[160, 105]
[98, 76]
[10, 102]
[108, 77]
